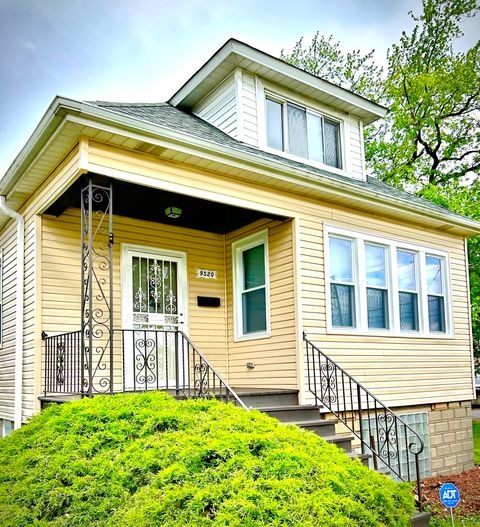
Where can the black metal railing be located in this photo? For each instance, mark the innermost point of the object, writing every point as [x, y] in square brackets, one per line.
[143, 359]
[394, 446]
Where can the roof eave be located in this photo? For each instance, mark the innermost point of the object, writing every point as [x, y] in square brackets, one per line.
[62, 107]
[239, 52]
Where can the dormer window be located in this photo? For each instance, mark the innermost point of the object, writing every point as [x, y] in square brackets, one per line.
[301, 132]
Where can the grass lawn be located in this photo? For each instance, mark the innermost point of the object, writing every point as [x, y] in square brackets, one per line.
[476, 442]
[472, 521]
[459, 522]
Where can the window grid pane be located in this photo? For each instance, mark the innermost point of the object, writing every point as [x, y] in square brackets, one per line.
[343, 305]
[297, 131]
[341, 260]
[375, 261]
[408, 304]
[254, 267]
[436, 313]
[274, 124]
[254, 311]
[315, 137]
[377, 308]
[434, 275]
[331, 136]
[253, 290]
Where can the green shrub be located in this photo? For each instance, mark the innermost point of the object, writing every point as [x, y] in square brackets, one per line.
[146, 460]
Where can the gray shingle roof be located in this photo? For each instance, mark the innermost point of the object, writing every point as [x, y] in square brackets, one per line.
[175, 119]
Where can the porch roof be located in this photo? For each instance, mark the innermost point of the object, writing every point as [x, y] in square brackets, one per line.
[149, 204]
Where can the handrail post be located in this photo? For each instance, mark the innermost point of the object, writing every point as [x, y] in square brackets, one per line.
[177, 366]
[419, 486]
[359, 398]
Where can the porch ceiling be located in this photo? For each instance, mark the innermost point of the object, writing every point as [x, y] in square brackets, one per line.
[145, 203]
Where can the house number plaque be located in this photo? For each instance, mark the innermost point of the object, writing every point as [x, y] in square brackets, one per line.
[206, 273]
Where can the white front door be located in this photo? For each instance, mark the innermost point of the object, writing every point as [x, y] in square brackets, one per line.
[154, 306]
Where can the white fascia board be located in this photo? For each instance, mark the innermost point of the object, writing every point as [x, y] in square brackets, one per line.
[115, 122]
[238, 51]
[45, 128]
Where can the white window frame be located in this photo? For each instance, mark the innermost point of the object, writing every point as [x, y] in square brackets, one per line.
[284, 100]
[392, 245]
[388, 282]
[238, 248]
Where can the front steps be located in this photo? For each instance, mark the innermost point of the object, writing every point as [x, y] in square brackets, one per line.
[283, 405]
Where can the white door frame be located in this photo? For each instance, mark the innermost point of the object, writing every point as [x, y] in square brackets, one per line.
[126, 276]
[180, 258]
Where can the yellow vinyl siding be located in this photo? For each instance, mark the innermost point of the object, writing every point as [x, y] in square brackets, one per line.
[402, 358]
[67, 171]
[61, 276]
[275, 356]
[401, 370]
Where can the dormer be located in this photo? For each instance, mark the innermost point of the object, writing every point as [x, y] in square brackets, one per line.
[265, 102]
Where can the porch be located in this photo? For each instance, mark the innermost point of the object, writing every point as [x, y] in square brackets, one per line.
[145, 300]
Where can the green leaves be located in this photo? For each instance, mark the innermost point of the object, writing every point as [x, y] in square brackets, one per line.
[161, 462]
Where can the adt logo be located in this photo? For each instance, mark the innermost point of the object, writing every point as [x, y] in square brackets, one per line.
[449, 495]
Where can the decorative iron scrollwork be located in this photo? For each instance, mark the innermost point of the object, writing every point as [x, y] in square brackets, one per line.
[146, 358]
[328, 379]
[201, 384]
[388, 447]
[60, 364]
[97, 297]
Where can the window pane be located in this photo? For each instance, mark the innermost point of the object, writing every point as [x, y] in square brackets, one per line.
[375, 265]
[254, 311]
[331, 138]
[315, 140]
[406, 270]
[297, 130]
[341, 269]
[377, 308]
[274, 124]
[434, 275]
[436, 313]
[254, 267]
[408, 311]
[343, 311]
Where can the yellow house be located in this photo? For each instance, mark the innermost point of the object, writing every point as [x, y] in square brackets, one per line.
[230, 240]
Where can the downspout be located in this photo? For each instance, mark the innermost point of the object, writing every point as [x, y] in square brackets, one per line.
[18, 310]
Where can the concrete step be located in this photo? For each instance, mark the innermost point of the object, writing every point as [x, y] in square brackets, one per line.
[362, 457]
[267, 397]
[343, 441]
[47, 400]
[420, 519]
[292, 413]
[322, 427]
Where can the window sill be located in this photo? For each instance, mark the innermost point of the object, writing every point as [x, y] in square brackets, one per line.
[253, 336]
[306, 161]
[390, 334]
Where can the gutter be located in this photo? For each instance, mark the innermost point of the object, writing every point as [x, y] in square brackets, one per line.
[18, 310]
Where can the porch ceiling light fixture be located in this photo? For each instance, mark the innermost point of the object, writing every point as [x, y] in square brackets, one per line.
[173, 212]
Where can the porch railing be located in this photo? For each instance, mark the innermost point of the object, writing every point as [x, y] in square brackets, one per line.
[141, 360]
[392, 443]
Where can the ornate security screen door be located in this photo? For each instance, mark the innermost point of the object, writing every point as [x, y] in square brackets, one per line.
[154, 307]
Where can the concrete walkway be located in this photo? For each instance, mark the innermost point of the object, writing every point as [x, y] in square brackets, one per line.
[476, 413]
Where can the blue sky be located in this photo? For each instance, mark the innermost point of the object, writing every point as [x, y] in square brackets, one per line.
[143, 50]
